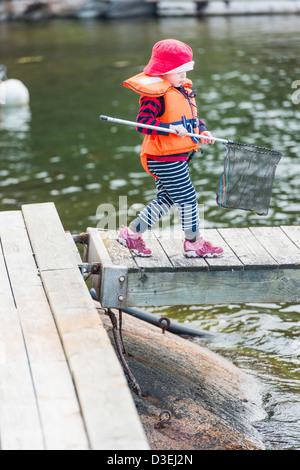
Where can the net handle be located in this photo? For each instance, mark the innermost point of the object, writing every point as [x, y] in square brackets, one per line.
[161, 129]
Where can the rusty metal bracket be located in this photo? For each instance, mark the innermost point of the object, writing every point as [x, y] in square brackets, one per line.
[111, 283]
[113, 286]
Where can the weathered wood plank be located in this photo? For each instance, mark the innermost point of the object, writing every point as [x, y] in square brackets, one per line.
[173, 247]
[280, 247]
[213, 287]
[73, 249]
[20, 426]
[229, 260]
[47, 236]
[61, 419]
[17, 249]
[119, 255]
[158, 261]
[97, 250]
[248, 248]
[293, 232]
[6, 294]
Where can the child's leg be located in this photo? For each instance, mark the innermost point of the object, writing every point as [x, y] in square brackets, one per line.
[175, 179]
[131, 236]
[150, 215]
[174, 187]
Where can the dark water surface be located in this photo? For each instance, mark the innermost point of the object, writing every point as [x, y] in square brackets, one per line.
[58, 150]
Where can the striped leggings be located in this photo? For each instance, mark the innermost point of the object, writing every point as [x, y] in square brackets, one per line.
[174, 186]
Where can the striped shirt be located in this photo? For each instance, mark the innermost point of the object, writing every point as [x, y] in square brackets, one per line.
[150, 110]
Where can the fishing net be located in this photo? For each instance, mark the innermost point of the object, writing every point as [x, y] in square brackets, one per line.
[247, 180]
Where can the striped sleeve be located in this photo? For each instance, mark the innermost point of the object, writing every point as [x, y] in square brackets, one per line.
[201, 127]
[150, 110]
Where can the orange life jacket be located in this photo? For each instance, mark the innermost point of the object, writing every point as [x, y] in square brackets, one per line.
[179, 109]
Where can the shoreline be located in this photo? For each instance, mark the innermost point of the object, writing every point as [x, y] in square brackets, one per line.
[30, 11]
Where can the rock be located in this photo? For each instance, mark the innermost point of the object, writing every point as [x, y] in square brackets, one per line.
[212, 403]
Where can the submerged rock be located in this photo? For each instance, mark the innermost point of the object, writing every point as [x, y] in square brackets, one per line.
[212, 403]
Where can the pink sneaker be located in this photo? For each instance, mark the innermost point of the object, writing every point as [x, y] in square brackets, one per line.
[201, 249]
[134, 242]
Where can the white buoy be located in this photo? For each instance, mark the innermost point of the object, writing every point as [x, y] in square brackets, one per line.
[12, 91]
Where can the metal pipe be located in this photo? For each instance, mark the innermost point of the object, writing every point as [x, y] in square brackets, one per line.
[161, 129]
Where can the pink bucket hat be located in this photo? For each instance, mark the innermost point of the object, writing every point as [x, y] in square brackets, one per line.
[169, 56]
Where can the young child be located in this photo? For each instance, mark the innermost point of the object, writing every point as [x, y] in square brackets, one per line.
[167, 101]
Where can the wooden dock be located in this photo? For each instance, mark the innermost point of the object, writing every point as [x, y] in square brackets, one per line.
[61, 384]
[260, 264]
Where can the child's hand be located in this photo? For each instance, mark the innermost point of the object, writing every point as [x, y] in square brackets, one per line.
[180, 130]
[206, 141]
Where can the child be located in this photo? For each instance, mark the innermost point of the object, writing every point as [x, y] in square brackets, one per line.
[167, 101]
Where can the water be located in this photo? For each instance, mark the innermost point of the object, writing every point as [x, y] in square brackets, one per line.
[58, 150]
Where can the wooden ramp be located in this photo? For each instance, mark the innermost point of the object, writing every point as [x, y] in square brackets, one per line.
[61, 384]
[260, 264]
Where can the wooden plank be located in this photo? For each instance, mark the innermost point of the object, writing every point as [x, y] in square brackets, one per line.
[20, 426]
[213, 287]
[17, 249]
[97, 251]
[280, 247]
[158, 261]
[6, 294]
[229, 260]
[293, 232]
[73, 249]
[62, 423]
[248, 248]
[47, 233]
[119, 255]
[111, 419]
[173, 247]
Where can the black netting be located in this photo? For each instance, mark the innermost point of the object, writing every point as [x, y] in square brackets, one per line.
[247, 180]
